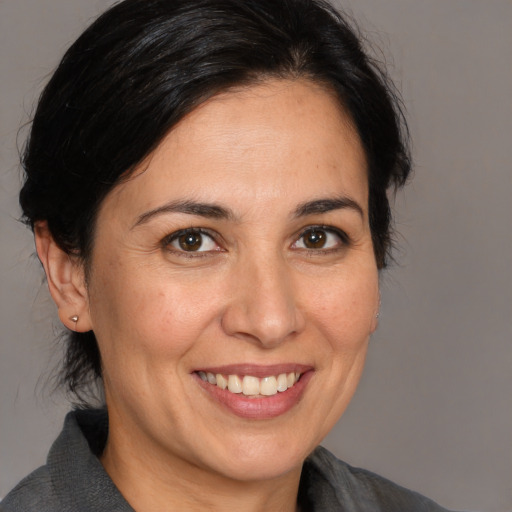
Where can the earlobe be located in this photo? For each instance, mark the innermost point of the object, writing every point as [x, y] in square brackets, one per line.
[66, 280]
[375, 323]
[375, 319]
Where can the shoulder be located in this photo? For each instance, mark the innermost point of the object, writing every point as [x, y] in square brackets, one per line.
[73, 479]
[358, 489]
[34, 493]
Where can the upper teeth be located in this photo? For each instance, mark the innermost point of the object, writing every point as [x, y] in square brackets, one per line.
[251, 386]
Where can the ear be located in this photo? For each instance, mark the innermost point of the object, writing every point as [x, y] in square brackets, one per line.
[375, 323]
[375, 319]
[66, 280]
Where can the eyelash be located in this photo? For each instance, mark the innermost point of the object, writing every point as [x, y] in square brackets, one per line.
[168, 240]
[344, 240]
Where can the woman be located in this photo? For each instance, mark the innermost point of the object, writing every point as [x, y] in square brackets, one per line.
[207, 183]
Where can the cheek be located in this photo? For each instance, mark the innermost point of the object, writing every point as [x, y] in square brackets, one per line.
[152, 314]
[345, 310]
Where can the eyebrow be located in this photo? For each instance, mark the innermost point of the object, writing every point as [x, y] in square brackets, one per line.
[326, 205]
[208, 210]
[214, 211]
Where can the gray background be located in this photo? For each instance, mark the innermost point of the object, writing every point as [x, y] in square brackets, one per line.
[433, 411]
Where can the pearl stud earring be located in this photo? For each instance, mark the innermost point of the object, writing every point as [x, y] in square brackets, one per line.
[74, 318]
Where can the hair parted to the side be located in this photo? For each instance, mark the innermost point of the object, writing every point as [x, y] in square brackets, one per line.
[144, 64]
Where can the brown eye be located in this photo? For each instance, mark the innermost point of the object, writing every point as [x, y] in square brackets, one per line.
[190, 241]
[321, 238]
[315, 239]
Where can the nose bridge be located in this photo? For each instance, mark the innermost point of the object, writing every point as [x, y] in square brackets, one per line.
[264, 303]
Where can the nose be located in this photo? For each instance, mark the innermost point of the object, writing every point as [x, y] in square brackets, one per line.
[263, 307]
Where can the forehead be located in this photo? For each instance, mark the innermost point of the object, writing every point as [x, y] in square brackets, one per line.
[262, 141]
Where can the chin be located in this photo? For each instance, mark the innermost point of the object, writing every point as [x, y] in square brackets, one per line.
[261, 468]
[259, 458]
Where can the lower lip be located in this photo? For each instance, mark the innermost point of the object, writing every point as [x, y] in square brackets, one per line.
[258, 408]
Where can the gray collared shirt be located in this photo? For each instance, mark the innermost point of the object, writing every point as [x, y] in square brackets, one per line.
[73, 479]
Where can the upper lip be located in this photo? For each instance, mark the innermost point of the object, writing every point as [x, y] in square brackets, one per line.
[259, 371]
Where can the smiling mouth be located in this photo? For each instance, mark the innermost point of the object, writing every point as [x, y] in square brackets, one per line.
[251, 386]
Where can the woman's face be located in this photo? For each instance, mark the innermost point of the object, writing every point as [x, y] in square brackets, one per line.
[239, 250]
